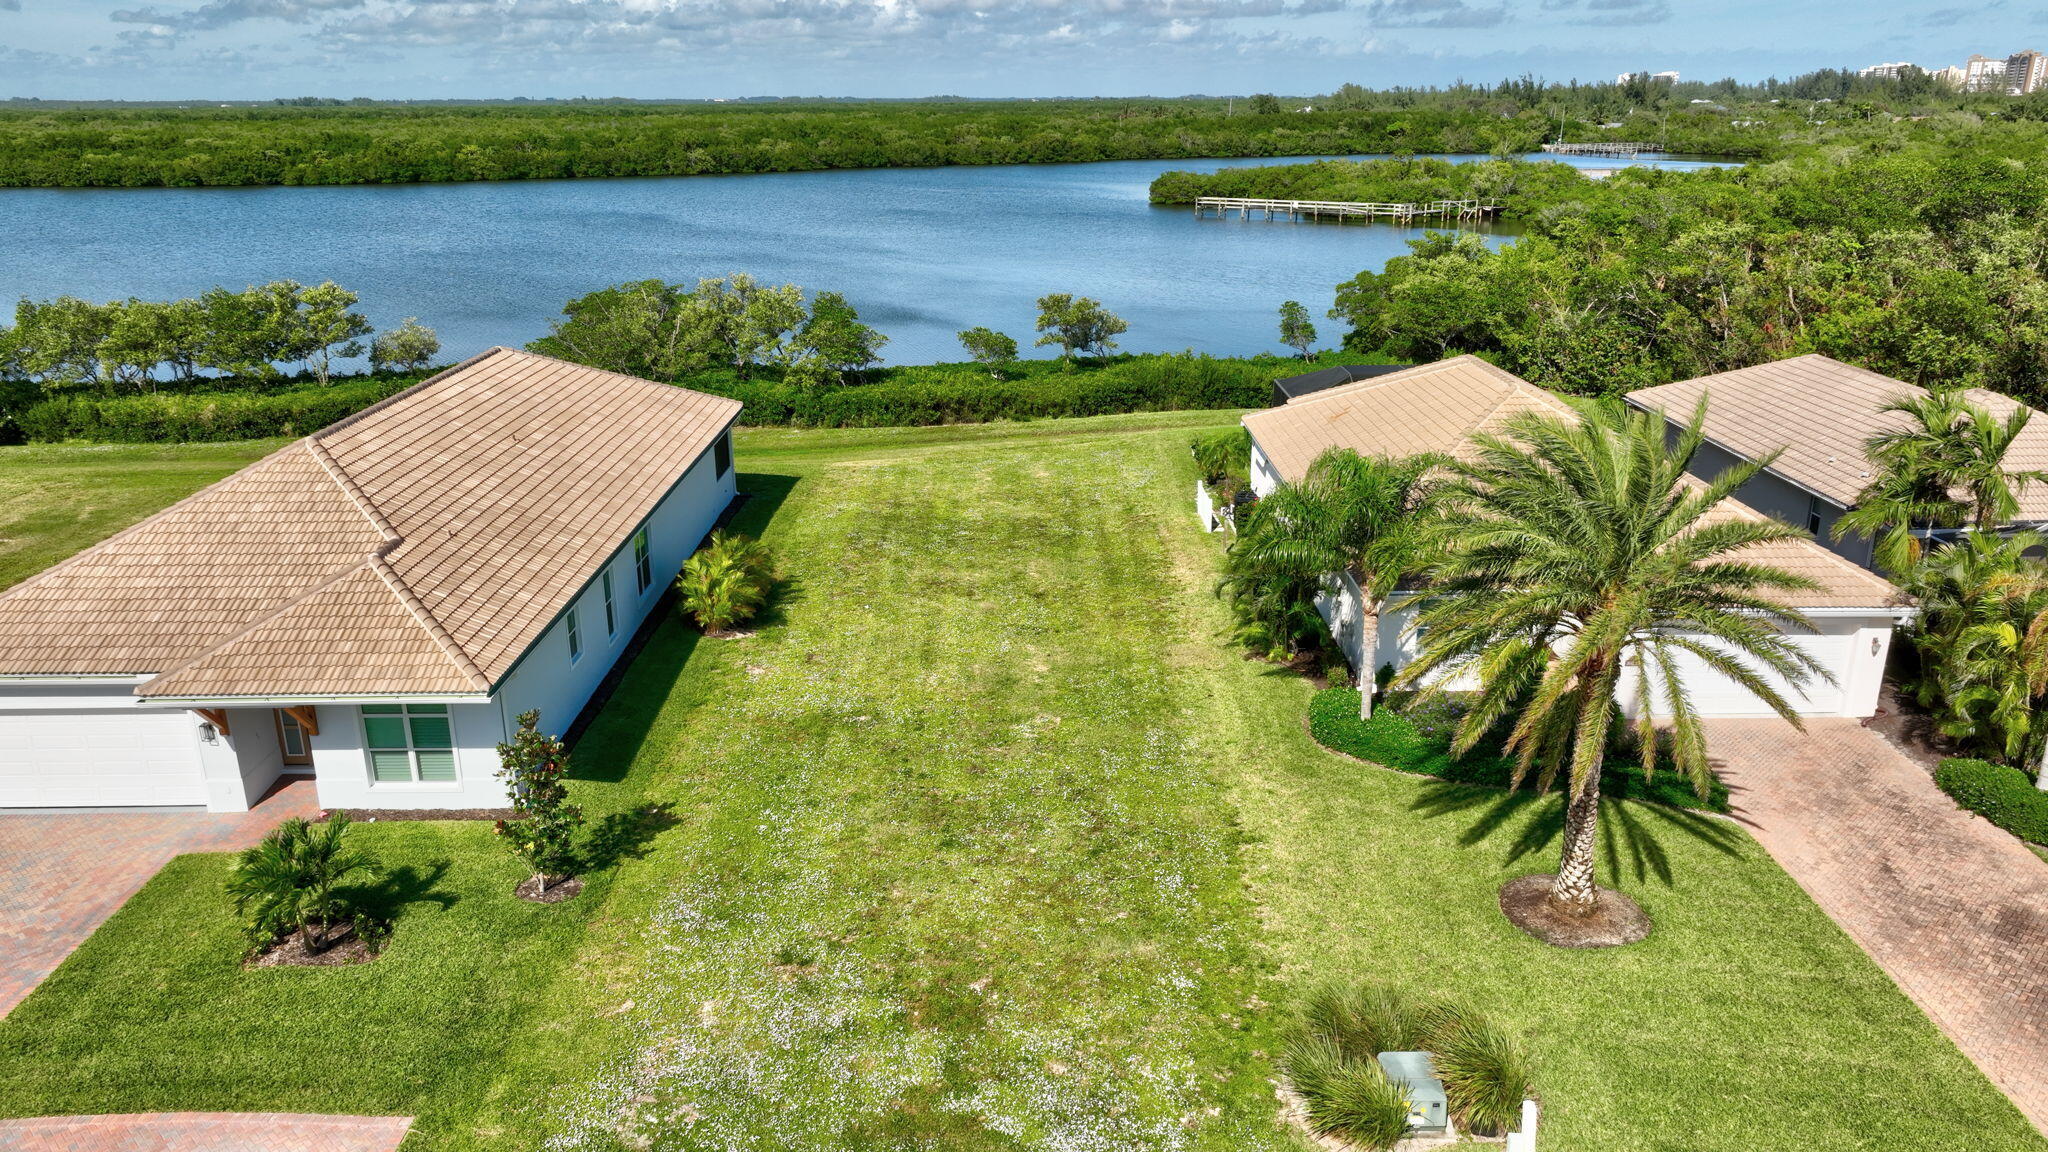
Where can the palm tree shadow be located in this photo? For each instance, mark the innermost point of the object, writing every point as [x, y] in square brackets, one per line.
[385, 897]
[1633, 835]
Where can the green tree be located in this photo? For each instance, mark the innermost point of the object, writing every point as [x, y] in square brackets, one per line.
[146, 335]
[1295, 329]
[542, 832]
[1982, 640]
[329, 326]
[643, 328]
[1079, 325]
[832, 341]
[404, 348]
[57, 342]
[1948, 446]
[1265, 104]
[1578, 563]
[1349, 513]
[291, 882]
[990, 348]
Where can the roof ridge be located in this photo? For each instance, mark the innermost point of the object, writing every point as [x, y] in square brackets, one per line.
[381, 565]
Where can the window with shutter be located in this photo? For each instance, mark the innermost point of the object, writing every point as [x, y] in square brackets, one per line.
[409, 743]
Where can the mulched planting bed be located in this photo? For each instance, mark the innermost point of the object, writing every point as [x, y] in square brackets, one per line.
[555, 893]
[1615, 918]
[291, 952]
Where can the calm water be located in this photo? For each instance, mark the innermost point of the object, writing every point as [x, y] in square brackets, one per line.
[922, 253]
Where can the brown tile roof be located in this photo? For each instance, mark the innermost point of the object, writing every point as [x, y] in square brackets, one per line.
[419, 546]
[1821, 411]
[1438, 407]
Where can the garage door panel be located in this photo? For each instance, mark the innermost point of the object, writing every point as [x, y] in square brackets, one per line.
[1714, 694]
[98, 759]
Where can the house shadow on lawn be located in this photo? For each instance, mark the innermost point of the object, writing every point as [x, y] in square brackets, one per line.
[608, 735]
[1633, 834]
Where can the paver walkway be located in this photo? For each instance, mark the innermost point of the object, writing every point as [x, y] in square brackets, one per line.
[60, 876]
[204, 1132]
[1955, 909]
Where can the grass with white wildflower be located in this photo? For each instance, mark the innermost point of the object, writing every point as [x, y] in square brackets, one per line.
[988, 840]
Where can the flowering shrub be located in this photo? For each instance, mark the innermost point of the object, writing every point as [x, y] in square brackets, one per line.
[544, 833]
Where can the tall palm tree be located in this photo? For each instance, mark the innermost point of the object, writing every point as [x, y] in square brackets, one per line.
[1944, 469]
[1982, 638]
[1352, 513]
[1579, 562]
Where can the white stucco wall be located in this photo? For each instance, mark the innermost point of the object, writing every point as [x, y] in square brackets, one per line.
[545, 678]
[242, 764]
[341, 762]
[1265, 477]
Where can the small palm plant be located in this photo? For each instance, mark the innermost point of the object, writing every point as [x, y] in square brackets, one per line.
[1945, 469]
[289, 883]
[1982, 638]
[726, 582]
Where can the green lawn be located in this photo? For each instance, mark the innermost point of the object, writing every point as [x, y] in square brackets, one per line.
[56, 499]
[988, 841]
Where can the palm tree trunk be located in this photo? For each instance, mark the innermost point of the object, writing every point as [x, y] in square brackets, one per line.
[1573, 889]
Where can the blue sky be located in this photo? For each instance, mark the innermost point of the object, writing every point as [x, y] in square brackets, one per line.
[254, 49]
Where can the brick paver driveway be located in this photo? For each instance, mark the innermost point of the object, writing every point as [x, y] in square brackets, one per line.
[1953, 908]
[204, 1132]
[60, 876]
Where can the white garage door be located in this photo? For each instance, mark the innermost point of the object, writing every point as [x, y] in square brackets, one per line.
[1714, 694]
[99, 760]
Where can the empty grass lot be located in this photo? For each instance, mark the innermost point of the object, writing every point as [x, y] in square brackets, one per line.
[987, 840]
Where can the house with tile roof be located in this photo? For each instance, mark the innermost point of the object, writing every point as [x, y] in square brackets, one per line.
[1437, 408]
[373, 604]
[1818, 414]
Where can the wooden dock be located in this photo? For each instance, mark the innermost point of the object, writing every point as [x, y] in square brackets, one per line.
[1629, 149]
[1447, 211]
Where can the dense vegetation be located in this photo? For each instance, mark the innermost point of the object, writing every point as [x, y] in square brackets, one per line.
[1913, 248]
[2005, 796]
[371, 143]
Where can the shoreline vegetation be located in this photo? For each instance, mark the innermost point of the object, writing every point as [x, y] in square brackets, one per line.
[326, 142]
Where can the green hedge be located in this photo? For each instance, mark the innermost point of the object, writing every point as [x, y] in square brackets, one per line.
[176, 417]
[1418, 739]
[2005, 796]
[967, 394]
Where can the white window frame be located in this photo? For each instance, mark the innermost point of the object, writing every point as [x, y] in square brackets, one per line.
[575, 635]
[404, 714]
[611, 614]
[643, 560]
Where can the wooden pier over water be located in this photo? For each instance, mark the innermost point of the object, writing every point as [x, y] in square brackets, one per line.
[1629, 149]
[1342, 210]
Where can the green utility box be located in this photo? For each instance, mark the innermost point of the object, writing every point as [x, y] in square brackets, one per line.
[1428, 1110]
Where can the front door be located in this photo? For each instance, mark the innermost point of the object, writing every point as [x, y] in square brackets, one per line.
[292, 743]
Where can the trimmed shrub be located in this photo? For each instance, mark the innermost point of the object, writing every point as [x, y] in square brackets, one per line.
[725, 582]
[2005, 796]
[177, 417]
[1418, 739]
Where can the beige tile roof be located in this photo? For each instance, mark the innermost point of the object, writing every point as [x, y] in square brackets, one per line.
[419, 546]
[1821, 411]
[1439, 407]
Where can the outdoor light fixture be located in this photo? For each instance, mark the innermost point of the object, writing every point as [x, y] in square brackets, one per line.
[208, 733]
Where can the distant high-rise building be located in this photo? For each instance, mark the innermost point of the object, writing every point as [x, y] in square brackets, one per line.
[1983, 74]
[2026, 72]
[1625, 77]
[1954, 76]
[1889, 71]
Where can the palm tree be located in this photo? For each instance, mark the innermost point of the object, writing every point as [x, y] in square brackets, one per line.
[1949, 446]
[1352, 513]
[1579, 562]
[1982, 638]
[287, 883]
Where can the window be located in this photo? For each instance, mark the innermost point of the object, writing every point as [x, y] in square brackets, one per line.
[643, 564]
[611, 617]
[409, 743]
[291, 739]
[1813, 515]
[575, 637]
[721, 455]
